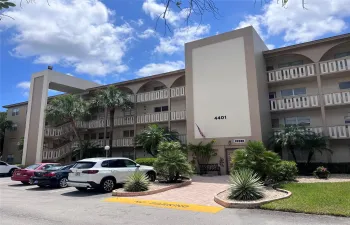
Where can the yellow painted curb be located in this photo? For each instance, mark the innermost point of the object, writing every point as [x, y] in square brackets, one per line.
[166, 204]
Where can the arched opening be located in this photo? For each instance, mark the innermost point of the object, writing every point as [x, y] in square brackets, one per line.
[126, 90]
[153, 85]
[179, 82]
[287, 60]
[336, 52]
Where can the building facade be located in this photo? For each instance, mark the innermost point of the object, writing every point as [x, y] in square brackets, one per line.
[233, 90]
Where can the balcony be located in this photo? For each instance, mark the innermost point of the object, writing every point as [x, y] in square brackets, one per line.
[183, 138]
[294, 103]
[317, 130]
[179, 115]
[289, 73]
[152, 95]
[340, 98]
[55, 154]
[122, 121]
[177, 92]
[57, 131]
[123, 142]
[335, 65]
[152, 117]
[339, 132]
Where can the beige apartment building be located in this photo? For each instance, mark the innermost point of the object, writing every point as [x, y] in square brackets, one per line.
[233, 88]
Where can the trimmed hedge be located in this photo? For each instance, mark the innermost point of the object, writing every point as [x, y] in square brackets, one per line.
[145, 161]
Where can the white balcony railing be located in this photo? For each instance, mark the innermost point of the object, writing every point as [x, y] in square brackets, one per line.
[183, 138]
[153, 117]
[294, 103]
[289, 73]
[152, 95]
[339, 132]
[57, 131]
[98, 123]
[179, 115]
[177, 92]
[123, 142]
[335, 65]
[54, 154]
[317, 130]
[337, 98]
[127, 120]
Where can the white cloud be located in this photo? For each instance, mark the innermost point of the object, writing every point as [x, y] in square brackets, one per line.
[270, 46]
[140, 22]
[24, 85]
[99, 81]
[156, 68]
[170, 45]
[154, 10]
[147, 34]
[69, 74]
[71, 33]
[298, 25]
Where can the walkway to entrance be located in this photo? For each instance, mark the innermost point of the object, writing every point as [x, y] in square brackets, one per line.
[201, 191]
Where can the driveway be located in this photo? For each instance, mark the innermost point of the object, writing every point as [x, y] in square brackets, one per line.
[201, 191]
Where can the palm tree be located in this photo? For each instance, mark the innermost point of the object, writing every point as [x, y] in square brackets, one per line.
[111, 99]
[4, 125]
[290, 138]
[68, 108]
[150, 138]
[315, 143]
[89, 149]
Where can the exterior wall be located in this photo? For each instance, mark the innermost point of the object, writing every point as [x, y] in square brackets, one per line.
[315, 116]
[341, 151]
[332, 85]
[311, 88]
[336, 116]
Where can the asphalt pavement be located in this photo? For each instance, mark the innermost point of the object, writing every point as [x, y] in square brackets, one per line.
[30, 205]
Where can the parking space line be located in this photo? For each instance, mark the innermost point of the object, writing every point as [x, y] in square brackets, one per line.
[166, 204]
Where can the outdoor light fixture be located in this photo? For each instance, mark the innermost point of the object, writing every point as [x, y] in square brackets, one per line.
[107, 148]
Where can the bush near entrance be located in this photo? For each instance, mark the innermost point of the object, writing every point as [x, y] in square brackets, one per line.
[145, 161]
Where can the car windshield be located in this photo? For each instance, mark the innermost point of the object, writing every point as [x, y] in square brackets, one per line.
[33, 167]
[84, 165]
[67, 167]
[53, 168]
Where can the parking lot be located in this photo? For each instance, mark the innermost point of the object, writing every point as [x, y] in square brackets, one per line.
[28, 204]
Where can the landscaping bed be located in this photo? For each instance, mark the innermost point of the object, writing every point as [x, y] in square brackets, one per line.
[315, 198]
[270, 194]
[154, 188]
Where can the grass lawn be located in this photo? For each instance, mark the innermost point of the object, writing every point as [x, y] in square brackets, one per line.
[317, 198]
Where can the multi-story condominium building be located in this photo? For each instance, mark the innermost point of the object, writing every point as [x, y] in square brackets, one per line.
[233, 90]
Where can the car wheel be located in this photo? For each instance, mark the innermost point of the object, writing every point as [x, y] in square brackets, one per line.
[11, 172]
[107, 185]
[25, 182]
[151, 176]
[62, 183]
[81, 189]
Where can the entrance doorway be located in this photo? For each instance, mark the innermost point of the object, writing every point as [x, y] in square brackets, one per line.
[228, 152]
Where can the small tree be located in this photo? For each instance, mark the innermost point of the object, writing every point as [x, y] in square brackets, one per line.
[4, 125]
[203, 152]
[68, 108]
[315, 143]
[171, 162]
[150, 138]
[111, 99]
[89, 149]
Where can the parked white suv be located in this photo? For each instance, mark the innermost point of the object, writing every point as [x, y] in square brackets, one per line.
[104, 173]
[7, 169]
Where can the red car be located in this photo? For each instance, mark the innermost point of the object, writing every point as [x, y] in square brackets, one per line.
[24, 175]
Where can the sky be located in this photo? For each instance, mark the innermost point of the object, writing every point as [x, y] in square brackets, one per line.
[108, 41]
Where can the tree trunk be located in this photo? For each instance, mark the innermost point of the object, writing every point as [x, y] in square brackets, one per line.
[81, 150]
[111, 125]
[311, 153]
[105, 130]
[294, 156]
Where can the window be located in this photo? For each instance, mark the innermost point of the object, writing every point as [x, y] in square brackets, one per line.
[344, 85]
[3, 164]
[301, 121]
[84, 165]
[128, 133]
[161, 109]
[101, 136]
[14, 127]
[347, 120]
[129, 163]
[341, 55]
[288, 64]
[49, 166]
[272, 95]
[293, 92]
[269, 68]
[107, 135]
[93, 136]
[275, 123]
[33, 167]
[86, 136]
[159, 88]
[15, 112]
[117, 163]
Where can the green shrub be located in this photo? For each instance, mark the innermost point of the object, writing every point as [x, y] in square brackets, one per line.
[257, 158]
[171, 162]
[245, 185]
[321, 172]
[137, 182]
[285, 171]
[145, 161]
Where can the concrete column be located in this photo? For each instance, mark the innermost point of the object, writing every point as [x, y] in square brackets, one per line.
[169, 107]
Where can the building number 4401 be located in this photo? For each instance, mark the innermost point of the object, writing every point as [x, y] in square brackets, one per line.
[220, 118]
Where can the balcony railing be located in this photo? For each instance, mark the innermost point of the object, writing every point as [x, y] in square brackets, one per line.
[123, 142]
[183, 138]
[152, 95]
[57, 131]
[294, 72]
[55, 154]
[153, 117]
[339, 132]
[317, 130]
[177, 92]
[335, 65]
[294, 103]
[337, 98]
[121, 121]
[179, 115]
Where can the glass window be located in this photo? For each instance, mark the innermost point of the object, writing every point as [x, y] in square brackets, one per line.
[341, 55]
[287, 92]
[288, 64]
[33, 167]
[161, 109]
[159, 88]
[290, 121]
[101, 136]
[165, 108]
[344, 85]
[14, 127]
[293, 92]
[269, 68]
[299, 91]
[119, 163]
[86, 137]
[83, 165]
[347, 120]
[132, 133]
[15, 112]
[105, 163]
[304, 121]
[129, 112]
[157, 109]
[128, 133]
[272, 95]
[3, 164]
[93, 136]
[107, 135]
[129, 163]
